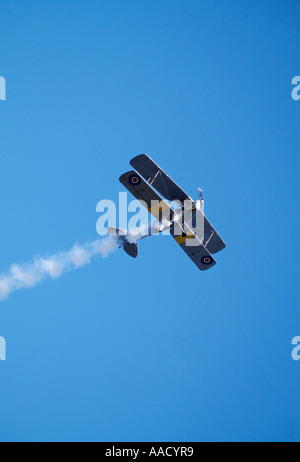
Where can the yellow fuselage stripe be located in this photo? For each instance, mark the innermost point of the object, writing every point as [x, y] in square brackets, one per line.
[181, 239]
[158, 208]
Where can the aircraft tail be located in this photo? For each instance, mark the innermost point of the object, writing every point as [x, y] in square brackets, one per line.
[130, 248]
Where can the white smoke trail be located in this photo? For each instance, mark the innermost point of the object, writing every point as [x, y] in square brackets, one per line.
[28, 275]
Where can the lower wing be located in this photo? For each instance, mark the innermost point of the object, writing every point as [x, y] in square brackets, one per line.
[192, 246]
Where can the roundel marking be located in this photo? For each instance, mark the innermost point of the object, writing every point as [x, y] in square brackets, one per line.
[206, 260]
[134, 179]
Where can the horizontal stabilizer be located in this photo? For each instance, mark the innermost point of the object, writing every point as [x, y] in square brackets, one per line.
[116, 231]
[131, 249]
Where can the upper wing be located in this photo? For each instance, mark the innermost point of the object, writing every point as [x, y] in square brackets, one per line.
[146, 194]
[154, 175]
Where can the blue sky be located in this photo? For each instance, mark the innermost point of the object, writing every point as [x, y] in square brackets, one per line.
[151, 349]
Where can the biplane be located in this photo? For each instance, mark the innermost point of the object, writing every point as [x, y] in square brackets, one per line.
[176, 211]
